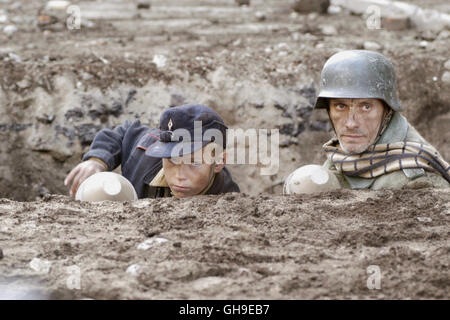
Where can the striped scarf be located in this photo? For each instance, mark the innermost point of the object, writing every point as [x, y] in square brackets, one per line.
[380, 159]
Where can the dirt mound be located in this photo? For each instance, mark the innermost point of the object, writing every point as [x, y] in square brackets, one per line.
[257, 65]
[233, 246]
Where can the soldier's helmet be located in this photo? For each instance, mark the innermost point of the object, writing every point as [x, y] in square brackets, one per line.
[358, 74]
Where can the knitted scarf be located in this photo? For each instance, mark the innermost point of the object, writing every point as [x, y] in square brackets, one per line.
[380, 159]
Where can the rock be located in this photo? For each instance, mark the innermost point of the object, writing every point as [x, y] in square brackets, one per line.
[133, 269]
[57, 5]
[446, 77]
[1, 254]
[328, 30]
[150, 243]
[9, 30]
[443, 35]
[332, 9]
[143, 5]
[423, 44]
[370, 45]
[40, 266]
[3, 18]
[159, 60]
[243, 2]
[424, 219]
[260, 16]
[447, 64]
[396, 23]
[23, 84]
[308, 6]
[14, 57]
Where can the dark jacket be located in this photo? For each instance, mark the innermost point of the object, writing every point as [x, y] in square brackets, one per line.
[126, 145]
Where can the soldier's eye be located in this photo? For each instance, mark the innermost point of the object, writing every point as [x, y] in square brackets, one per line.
[339, 106]
[367, 107]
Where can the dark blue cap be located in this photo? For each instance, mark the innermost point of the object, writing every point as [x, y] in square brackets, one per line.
[186, 129]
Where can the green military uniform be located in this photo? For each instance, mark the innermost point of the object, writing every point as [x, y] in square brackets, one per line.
[398, 130]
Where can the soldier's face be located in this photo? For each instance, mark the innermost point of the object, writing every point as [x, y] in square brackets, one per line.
[190, 174]
[357, 122]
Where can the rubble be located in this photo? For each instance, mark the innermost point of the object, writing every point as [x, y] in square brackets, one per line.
[10, 30]
[308, 6]
[371, 45]
[396, 12]
[446, 77]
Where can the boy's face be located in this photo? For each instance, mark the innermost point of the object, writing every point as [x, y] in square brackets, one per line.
[187, 176]
[356, 122]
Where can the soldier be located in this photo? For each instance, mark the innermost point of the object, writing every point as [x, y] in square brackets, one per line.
[179, 159]
[374, 145]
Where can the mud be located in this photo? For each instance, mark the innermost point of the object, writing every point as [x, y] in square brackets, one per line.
[233, 246]
[259, 67]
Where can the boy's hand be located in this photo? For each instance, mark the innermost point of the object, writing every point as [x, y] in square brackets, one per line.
[81, 172]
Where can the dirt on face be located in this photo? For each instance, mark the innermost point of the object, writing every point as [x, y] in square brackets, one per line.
[259, 67]
[232, 246]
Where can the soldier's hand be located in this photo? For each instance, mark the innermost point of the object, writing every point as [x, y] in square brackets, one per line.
[81, 172]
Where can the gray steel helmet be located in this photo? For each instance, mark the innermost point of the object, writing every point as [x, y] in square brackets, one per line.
[358, 74]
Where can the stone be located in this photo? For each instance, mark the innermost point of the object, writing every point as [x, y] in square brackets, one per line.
[370, 45]
[243, 2]
[260, 16]
[308, 6]
[328, 30]
[446, 77]
[10, 30]
[447, 64]
[40, 266]
[57, 5]
[150, 243]
[143, 5]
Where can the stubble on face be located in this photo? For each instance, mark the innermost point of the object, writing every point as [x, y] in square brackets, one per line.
[356, 122]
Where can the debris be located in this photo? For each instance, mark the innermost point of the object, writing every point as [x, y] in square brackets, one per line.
[332, 9]
[424, 219]
[446, 77]
[328, 30]
[15, 57]
[143, 5]
[133, 269]
[243, 2]
[150, 243]
[46, 119]
[307, 6]
[40, 266]
[23, 84]
[423, 44]
[260, 16]
[447, 64]
[370, 45]
[9, 30]
[3, 17]
[57, 5]
[100, 58]
[159, 60]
